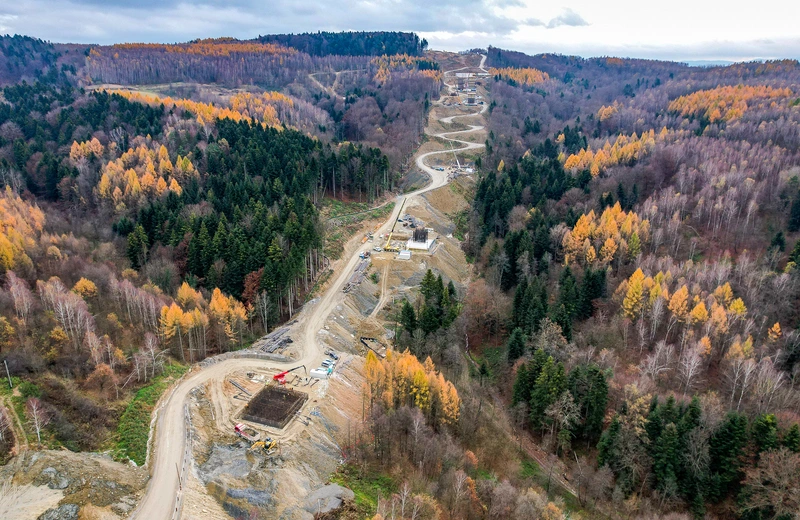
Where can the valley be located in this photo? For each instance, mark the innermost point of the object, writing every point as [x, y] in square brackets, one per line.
[342, 276]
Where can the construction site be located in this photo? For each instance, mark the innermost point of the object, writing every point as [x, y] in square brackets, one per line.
[274, 406]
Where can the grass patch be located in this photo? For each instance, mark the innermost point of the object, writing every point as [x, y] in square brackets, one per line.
[133, 429]
[461, 220]
[495, 359]
[530, 469]
[18, 403]
[335, 241]
[332, 208]
[368, 487]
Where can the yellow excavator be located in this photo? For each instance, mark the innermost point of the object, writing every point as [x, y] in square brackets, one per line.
[268, 446]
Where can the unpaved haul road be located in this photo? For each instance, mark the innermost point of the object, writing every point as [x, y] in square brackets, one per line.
[160, 500]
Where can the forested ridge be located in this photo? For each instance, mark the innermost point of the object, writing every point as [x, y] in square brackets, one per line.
[376, 43]
[635, 224]
[139, 228]
[634, 230]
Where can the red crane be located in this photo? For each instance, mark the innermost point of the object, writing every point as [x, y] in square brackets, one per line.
[281, 378]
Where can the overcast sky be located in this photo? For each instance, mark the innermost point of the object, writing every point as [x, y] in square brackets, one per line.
[678, 29]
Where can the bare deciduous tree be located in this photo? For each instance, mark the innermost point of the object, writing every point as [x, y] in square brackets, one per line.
[775, 484]
[691, 364]
[38, 416]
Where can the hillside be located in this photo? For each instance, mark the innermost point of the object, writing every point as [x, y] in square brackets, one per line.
[604, 324]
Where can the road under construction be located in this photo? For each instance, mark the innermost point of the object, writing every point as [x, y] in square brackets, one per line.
[163, 496]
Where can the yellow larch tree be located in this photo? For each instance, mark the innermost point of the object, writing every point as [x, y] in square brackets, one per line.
[679, 304]
[632, 304]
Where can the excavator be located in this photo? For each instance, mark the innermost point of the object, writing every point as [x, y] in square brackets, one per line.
[268, 446]
[281, 377]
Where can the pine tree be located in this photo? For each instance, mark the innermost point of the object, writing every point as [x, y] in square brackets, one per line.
[515, 345]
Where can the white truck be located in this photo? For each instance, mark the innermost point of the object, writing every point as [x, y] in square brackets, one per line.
[319, 373]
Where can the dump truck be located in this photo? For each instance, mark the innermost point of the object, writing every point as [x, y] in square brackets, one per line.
[246, 432]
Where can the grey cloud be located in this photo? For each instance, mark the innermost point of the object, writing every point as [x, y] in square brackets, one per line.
[567, 17]
[718, 50]
[110, 21]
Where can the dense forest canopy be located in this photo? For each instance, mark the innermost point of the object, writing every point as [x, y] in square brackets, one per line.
[376, 43]
[137, 225]
[639, 218]
[634, 227]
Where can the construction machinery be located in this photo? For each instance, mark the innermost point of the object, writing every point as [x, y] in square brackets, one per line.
[268, 446]
[246, 432]
[281, 377]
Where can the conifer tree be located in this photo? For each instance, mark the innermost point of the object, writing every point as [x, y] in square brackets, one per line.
[792, 438]
[137, 247]
[765, 433]
[665, 460]
[408, 318]
[428, 285]
[794, 215]
[515, 345]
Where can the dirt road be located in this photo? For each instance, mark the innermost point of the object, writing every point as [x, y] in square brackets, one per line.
[162, 498]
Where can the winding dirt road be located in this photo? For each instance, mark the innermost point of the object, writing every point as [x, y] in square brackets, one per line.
[162, 498]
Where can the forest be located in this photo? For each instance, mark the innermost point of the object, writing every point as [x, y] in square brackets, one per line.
[377, 43]
[634, 235]
[140, 229]
[635, 230]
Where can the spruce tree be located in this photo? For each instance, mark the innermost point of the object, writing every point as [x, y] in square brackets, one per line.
[521, 392]
[439, 288]
[408, 318]
[451, 288]
[765, 433]
[515, 345]
[607, 448]
[137, 247]
[430, 319]
[665, 459]
[725, 448]
[428, 285]
[794, 215]
[792, 438]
